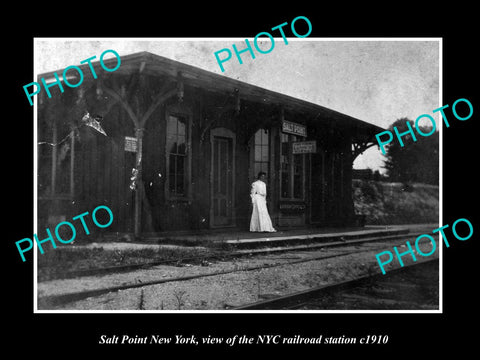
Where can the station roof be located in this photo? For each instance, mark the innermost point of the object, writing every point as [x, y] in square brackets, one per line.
[152, 64]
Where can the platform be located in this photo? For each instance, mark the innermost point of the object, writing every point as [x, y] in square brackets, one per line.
[283, 237]
[236, 239]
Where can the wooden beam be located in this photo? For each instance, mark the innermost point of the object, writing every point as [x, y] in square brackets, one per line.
[54, 159]
[138, 195]
[237, 102]
[180, 87]
[124, 104]
[224, 108]
[359, 148]
[160, 99]
[142, 67]
[72, 163]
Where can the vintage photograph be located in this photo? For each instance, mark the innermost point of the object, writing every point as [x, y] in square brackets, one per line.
[164, 184]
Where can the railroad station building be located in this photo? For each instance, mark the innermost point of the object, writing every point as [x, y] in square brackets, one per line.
[168, 146]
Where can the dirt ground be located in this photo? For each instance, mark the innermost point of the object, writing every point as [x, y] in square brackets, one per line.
[231, 283]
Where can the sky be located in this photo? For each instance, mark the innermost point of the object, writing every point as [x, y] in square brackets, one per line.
[374, 80]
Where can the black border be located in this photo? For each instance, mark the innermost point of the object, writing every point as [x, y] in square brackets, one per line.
[60, 335]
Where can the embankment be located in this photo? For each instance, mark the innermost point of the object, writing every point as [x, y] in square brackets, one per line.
[395, 203]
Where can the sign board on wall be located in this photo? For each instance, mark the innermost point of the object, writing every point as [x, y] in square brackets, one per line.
[292, 208]
[304, 147]
[130, 144]
[294, 128]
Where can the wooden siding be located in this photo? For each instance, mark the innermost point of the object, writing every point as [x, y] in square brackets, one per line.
[137, 103]
[103, 169]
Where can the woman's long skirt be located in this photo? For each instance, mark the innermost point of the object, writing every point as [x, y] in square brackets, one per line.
[260, 220]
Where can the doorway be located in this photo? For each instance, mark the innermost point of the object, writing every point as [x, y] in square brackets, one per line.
[222, 184]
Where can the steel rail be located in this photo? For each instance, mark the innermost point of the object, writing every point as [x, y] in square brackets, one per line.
[55, 300]
[301, 298]
[222, 255]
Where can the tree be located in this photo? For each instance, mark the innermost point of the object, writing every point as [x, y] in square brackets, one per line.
[416, 161]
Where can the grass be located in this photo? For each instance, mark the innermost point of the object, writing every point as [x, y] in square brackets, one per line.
[394, 203]
[67, 258]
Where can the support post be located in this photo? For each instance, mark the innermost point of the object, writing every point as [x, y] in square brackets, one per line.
[54, 160]
[72, 164]
[138, 195]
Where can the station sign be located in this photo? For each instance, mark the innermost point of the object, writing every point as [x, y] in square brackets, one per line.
[304, 147]
[130, 144]
[294, 128]
[292, 208]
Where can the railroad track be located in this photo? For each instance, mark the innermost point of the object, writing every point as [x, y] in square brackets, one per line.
[62, 299]
[412, 287]
[55, 300]
[222, 255]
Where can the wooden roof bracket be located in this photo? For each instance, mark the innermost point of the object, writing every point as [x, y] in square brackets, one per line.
[180, 87]
[224, 108]
[360, 147]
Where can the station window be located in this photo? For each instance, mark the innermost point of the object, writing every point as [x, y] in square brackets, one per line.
[261, 160]
[292, 169]
[177, 155]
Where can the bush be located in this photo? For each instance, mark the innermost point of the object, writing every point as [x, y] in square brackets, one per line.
[385, 203]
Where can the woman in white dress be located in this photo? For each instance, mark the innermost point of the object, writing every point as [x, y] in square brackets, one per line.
[260, 220]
